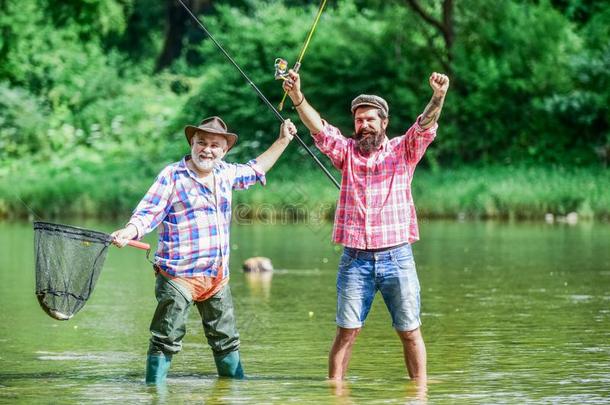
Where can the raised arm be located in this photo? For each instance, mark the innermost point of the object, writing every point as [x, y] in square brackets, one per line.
[439, 83]
[307, 113]
[268, 158]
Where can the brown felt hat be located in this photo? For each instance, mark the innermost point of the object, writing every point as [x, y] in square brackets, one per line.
[211, 125]
[370, 100]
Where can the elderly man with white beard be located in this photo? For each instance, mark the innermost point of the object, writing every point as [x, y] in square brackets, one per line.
[190, 203]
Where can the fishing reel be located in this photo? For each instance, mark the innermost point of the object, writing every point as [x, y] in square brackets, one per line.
[281, 73]
[281, 68]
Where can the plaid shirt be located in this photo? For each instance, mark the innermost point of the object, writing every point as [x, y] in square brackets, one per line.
[193, 223]
[375, 208]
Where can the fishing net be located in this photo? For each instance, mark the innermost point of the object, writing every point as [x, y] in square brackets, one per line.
[68, 263]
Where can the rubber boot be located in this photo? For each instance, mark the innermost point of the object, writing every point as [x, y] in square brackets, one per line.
[229, 365]
[157, 366]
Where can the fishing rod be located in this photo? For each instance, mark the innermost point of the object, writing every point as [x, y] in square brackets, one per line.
[260, 94]
[297, 64]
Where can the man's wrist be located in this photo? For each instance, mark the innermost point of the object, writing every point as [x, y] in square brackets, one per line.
[298, 99]
[283, 140]
[439, 93]
[132, 230]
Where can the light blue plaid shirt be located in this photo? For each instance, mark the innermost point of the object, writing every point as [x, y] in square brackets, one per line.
[193, 222]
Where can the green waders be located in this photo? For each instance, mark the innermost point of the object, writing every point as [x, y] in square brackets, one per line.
[168, 328]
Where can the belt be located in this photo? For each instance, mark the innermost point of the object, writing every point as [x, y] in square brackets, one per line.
[373, 254]
[382, 249]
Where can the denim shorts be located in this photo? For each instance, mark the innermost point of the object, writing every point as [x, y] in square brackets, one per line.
[392, 272]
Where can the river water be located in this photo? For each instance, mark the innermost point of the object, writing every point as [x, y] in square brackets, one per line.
[512, 313]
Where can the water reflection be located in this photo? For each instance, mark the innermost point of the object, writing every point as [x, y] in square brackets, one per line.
[259, 284]
[197, 389]
[341, 391]
[159, 393]
[417, 392]
[220, 391]
[347, 392]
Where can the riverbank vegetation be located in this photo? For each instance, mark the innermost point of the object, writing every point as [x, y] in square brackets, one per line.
[494, 192]
[94, 96]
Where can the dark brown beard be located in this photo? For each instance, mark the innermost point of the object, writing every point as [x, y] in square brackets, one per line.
[370, 141]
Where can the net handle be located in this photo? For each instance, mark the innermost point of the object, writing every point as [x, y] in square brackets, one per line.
[139, 245]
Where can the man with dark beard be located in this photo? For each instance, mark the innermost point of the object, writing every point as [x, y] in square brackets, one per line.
[375, 218]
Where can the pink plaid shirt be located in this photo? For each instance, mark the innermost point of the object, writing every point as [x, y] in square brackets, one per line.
[375, 208]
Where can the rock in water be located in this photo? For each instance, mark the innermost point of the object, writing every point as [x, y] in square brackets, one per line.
[257, 265]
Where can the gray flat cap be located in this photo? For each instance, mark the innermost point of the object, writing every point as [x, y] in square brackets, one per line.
[370, 100]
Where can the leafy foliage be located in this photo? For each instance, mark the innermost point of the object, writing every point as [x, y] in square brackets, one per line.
[79, 101]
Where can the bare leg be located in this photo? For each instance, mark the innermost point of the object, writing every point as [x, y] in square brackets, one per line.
[341, 352]
[414, 351]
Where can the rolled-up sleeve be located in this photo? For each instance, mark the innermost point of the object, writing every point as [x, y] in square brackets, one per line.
[332, 143]
[416, 141]
[155, 205]
[246, 175]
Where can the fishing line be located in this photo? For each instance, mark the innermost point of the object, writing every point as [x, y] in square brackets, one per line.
[260, 94]
[30, 210]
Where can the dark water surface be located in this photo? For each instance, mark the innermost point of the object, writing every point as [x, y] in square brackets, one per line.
[512, 313]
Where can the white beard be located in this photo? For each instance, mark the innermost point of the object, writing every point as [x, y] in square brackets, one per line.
[202, 164]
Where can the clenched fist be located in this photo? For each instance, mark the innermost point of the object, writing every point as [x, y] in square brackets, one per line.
[439, 83]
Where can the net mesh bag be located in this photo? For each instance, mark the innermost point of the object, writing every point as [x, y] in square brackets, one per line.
[68, 263]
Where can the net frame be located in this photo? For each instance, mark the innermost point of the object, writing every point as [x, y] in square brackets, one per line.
[55, 245]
